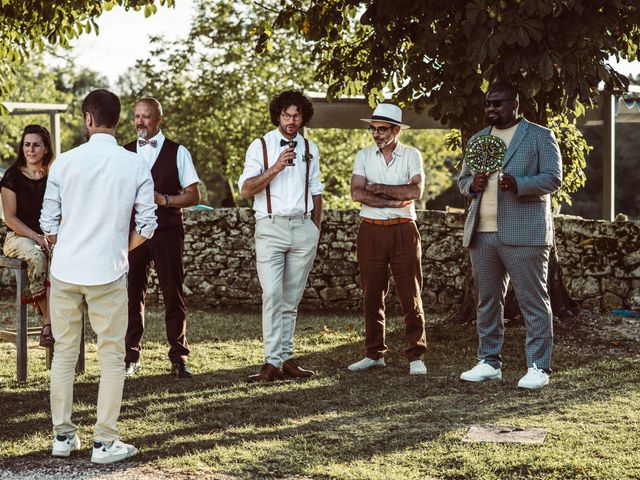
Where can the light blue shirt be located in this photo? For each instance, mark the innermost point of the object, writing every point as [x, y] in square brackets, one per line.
[91, 193]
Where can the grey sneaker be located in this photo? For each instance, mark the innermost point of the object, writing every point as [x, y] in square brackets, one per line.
[63, 445]
[112, 452]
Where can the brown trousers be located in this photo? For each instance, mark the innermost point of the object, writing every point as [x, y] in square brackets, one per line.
[165, 250]
[398, 247]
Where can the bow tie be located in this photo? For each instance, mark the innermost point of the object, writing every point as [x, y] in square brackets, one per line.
[142, 143]
[286, 142]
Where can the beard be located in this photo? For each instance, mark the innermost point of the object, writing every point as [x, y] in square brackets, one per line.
[143, 132]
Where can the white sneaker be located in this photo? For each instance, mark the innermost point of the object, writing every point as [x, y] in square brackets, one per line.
[64, 444]
[417, 367]
[113, 452]
[482, 371]
[365, 363]
[535, 378]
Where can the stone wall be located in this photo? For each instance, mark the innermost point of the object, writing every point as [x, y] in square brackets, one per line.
[600, 260]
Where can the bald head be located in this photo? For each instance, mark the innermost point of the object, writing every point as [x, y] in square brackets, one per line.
[147, 117]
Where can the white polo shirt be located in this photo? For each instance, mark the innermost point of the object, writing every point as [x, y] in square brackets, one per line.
[406, 162]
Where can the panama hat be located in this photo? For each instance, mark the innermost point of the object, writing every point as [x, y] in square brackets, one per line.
[387, 112]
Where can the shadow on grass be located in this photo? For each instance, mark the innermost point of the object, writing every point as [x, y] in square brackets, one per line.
[284, 427]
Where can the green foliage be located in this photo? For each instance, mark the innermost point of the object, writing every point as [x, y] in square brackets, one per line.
[28, 26]
[37, 82]
[574, 149]
[444, 55]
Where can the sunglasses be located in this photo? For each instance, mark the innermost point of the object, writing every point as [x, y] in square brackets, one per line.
[379, 130]
[497, 103]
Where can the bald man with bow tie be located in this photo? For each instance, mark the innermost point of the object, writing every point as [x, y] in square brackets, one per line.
[176, 187]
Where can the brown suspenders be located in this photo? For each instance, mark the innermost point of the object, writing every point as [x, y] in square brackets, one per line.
[307, 160]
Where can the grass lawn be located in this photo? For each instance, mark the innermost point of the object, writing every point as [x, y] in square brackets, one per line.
[380, 424]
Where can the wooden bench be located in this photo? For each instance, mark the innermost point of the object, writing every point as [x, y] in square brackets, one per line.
[19, 335]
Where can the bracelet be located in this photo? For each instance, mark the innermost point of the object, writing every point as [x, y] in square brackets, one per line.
[166, 199]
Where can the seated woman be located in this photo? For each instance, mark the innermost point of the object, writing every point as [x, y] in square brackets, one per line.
[22, 190]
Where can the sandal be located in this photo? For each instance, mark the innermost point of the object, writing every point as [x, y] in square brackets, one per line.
[46, 337]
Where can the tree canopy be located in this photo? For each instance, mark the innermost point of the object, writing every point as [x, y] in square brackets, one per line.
[28, 26]
[443, 56]
[215, 94]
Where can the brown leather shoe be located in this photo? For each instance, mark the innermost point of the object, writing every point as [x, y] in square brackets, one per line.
[268, 373]
[292, 370]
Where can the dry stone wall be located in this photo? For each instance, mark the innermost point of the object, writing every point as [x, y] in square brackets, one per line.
[600, 260]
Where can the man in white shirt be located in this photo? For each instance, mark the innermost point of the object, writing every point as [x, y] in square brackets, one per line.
[176, 187]
[386, 179]
[282, 174]
[94, 188]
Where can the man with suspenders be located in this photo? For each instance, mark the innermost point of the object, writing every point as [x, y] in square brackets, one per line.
[282, 174]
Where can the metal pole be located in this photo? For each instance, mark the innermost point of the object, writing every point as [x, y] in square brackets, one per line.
[55, 132]
[609, 157]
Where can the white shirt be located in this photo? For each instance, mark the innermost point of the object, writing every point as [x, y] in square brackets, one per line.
[186, 170]
[288, 186]
[406, 163]
[91, 192]
[488, 215]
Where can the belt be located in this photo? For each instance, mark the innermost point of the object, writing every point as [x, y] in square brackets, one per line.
[386, 223]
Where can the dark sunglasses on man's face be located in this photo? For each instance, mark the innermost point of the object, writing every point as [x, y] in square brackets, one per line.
[497, 103]
[379, 130]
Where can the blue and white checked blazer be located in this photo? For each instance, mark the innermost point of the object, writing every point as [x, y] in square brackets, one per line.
[524, 219]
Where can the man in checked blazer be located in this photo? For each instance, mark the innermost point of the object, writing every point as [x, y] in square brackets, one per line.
[509, 232]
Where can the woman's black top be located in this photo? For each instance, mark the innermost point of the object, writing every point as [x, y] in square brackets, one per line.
[29, 196]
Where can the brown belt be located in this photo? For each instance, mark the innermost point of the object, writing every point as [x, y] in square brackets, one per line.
[386, 223]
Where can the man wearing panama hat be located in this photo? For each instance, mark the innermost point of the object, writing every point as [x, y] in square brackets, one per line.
[386, 180]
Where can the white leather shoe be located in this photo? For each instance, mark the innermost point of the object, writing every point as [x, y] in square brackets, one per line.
[535, 378]
[417, 367]
[481, 372]
[114, 452]
[63, 445]
[365, 363]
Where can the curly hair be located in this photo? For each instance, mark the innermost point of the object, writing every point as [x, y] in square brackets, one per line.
[46, 140]
[284, 100]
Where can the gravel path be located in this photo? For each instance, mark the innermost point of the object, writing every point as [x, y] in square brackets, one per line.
[55, 469]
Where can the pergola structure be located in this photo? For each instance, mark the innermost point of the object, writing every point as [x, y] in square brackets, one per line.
[612, 109]
[51, 109]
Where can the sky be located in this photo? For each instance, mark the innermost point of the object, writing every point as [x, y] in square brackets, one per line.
[124, 38]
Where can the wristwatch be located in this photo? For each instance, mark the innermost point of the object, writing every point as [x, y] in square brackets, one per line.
[166, 199]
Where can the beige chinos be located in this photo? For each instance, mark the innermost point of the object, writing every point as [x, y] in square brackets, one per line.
[107, 306]
[285, 250]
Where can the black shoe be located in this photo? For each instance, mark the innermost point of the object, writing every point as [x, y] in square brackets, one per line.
[180, 370]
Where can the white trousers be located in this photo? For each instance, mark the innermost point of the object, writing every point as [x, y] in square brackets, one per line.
[285, 250]
[107, 306]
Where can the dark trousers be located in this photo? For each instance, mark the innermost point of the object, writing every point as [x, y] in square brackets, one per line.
[165, 250]
[396, 246]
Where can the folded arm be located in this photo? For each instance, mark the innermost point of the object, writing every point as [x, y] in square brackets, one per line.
[411, 191]
[359, 193]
